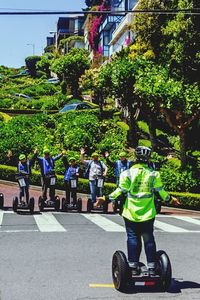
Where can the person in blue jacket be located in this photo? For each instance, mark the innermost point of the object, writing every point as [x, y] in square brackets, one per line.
[71, 173]
[122, 164]
[24, 171]
[47, 165]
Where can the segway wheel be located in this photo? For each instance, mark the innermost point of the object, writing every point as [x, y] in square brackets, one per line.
[89, 205]
[165, 270]
[57, 203]
[115, 207]
[105, 207]
[15, 204]
[79, 205]
[120, 271]
[63, 205]
[1, 201]
[41, 204]
[31, 205]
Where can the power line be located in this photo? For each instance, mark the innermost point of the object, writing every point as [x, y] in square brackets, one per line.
[194, 11]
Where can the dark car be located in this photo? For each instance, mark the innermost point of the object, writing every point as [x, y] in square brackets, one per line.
[77, 106]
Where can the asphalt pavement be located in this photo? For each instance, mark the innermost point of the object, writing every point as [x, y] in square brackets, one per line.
[57, 255]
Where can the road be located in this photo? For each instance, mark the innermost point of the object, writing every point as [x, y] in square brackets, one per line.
[56, 255]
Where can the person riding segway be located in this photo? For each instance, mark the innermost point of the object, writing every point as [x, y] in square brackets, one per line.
[71, 185]
[139, 184]
[96, 171]
[22, 176]
[48, 180]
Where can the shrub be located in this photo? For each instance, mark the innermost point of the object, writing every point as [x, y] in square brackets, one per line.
[176, 179]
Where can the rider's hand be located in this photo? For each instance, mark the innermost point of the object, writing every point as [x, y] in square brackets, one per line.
[64, 152]
[104, 174]
[82, 151]
[36, 151]
[100, 201]
[175, 201]
[106, 154]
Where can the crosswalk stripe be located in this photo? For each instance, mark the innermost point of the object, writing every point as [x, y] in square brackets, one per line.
[104, 223]
[169, 227]
[188, 219]
[1, 217]
[46, 222]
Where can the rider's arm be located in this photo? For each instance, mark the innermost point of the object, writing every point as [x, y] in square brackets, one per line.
[57, 157]
[65, 162]
[105, 169]
[158, 187]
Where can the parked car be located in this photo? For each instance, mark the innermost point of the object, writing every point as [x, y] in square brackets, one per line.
[24, 72]
[53, 80]
[77, 106]
[22, 96]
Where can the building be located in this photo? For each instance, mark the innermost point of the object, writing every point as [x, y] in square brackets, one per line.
[66, 27]
[122, 36]
[115, 31]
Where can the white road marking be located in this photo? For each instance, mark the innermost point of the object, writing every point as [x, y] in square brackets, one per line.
[168, 227]
[1, 217]
[18, 231]
[46, 222]
[188, 219]
[104, 223]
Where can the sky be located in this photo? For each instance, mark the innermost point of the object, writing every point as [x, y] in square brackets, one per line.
[18, 31]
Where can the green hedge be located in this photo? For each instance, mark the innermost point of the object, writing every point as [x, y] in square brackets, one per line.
[188, 200]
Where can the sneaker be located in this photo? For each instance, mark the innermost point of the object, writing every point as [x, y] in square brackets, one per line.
[152, 271]
[135, 271]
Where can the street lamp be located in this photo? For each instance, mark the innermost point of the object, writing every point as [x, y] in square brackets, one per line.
[33, 45]
[56, 37]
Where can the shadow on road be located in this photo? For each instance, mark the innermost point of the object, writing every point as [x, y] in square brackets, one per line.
[175, 288]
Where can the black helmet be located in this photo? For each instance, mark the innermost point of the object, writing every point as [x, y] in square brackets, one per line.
[142, 153]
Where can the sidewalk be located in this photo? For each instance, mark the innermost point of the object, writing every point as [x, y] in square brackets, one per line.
[11, 189]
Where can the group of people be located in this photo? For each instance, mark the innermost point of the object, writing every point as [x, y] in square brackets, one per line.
[94, 169]
[138, 181]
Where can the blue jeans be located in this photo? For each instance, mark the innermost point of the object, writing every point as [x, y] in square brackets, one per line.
[136, 230]
[95, 190]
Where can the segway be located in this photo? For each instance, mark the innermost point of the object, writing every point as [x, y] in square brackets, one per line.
[1, 201]
[90, 205]
[20, 204]
[55, 204]
[49, 203]
[123, 278]
[71, 203]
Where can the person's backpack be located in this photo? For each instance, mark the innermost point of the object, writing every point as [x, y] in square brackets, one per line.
[87, 171]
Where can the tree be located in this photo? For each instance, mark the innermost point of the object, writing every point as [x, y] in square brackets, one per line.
[123, 80]
[99, 82]
[71, 67]
[182, 47]
[171, 39]
[178, 102]
[44, 64]
[31, 62]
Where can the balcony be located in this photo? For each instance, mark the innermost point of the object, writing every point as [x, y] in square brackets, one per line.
[123, 27]
[109, 22]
